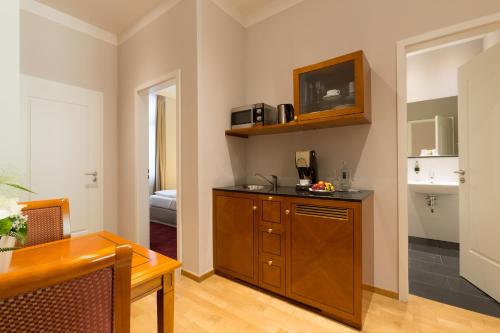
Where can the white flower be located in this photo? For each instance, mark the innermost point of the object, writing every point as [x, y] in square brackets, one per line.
[9, 207]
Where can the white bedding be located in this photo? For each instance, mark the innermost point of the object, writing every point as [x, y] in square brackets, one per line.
[167, 193]
[163, 202]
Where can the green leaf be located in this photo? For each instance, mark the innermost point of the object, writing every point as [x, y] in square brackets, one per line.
[21, 234]
[19, 187]
[7, 249]
[5, 225]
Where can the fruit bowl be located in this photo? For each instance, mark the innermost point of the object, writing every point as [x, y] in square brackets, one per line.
[322, 188]
[320, 192]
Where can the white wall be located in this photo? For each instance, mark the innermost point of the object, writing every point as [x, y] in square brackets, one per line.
[220, 87]
[434, 74]
[10, 122]
[57, 53]
[152, 142]
[443, 224]
[316, 30]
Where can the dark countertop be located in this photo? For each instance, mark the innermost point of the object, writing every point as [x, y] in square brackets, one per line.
[290, 191]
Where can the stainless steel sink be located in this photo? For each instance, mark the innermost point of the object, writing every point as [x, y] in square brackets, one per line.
[252, 187]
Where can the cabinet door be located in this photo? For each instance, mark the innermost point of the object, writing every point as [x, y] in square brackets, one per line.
[235, 236]
[320, 251]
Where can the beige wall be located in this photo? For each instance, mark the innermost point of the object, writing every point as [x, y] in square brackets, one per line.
[57, 53]
[10, 136]
[165, 45]
[316, 30]
[220, 87]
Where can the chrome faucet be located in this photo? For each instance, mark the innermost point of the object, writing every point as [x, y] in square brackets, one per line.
[274, 182]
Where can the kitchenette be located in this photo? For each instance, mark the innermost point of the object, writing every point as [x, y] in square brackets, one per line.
[311, 242]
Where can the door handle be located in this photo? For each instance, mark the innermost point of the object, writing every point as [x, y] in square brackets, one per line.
[93, 174]
[460, 172]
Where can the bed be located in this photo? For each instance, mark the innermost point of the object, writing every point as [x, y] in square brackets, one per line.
[163, 207]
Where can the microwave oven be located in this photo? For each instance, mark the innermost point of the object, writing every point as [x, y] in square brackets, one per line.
[253, 115]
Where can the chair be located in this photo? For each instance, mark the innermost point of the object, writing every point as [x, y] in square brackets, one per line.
[48, 220]
[87, 294]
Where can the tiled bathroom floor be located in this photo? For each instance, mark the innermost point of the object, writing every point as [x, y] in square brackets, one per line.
[434, 274]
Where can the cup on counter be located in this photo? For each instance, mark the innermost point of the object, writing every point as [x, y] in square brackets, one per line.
[304, 182]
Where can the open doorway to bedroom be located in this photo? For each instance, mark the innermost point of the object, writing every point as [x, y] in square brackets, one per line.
[162, 168]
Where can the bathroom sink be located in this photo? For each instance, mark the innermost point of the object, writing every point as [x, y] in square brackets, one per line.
[252, 187]
[435, 187]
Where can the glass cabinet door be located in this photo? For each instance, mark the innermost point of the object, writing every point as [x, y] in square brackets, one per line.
[333, 87]
[327, 88]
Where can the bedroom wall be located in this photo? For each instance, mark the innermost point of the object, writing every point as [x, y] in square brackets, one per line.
[171, 146]
[220, 87]
[57, 53]
[315, 30]
[165, 45]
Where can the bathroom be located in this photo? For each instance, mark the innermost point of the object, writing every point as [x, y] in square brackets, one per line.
[437, 182]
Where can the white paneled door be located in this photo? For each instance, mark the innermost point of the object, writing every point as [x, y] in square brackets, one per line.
[479, 148]
[64, 148]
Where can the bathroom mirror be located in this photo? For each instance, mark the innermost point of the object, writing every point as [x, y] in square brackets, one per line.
[433, 128]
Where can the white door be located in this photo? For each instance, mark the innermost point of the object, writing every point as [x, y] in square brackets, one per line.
[479, 146]
[64, 158]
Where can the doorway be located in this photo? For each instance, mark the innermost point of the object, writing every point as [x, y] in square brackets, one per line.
[159, 213]
[446, 113]
[162, 169]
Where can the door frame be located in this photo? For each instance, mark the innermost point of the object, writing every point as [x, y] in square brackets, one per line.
[36, 87]
[141, 122]
[435, 39]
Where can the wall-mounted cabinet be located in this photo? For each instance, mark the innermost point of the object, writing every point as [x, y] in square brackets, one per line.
[331, 93]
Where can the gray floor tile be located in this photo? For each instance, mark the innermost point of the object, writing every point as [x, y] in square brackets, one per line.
[425, 256]
[434, 274]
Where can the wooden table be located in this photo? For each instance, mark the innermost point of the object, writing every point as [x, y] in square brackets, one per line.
[151, 271]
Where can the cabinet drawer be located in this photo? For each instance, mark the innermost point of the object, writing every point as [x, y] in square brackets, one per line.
[271, 209]
[271, 241]
[272, 274]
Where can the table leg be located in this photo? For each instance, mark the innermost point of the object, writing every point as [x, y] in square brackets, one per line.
[165, 305]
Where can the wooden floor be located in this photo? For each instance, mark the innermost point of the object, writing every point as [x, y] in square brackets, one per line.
[219, 305]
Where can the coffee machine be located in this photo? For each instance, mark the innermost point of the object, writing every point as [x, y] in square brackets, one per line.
[305, 162]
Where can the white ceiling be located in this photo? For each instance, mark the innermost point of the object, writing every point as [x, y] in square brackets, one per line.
[247, 7]
[117, 16]
[112, 15]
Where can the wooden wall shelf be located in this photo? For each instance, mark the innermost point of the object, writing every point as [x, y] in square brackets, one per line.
[348, 75]
[295, 126]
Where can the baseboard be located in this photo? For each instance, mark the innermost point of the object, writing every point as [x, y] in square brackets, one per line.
[380, 291]
[195, 277]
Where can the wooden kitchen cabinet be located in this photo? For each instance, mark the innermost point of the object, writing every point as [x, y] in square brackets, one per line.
[307, 249]
[235, 236]
[324, 258]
